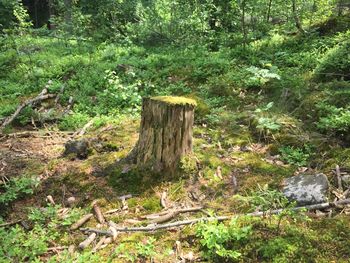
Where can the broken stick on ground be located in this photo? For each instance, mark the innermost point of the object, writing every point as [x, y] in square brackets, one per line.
[81, 221]
[154, 227]
[98, 213]
[42, 96]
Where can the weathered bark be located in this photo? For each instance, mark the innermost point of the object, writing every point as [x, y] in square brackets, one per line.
[296, 18]
[244, 29]
[269, 11]
[165, 133]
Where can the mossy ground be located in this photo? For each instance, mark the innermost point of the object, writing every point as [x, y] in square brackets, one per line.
[236, 135]
[98, 178]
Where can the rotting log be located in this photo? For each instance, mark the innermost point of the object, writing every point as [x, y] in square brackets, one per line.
[165, 132]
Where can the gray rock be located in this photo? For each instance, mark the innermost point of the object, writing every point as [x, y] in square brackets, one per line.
[307, 189]
[78, 148]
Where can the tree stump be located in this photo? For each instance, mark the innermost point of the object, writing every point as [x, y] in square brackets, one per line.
[165, 132]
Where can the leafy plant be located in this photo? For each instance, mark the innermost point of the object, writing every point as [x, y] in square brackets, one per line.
[266, 199]
[146, 249]
[268, 124]
[337, 120]
[49, 215]
[262, 76]
[119, 95]
[17, 188]
[219, 241]
[18, 245]
[294, 155]
[335, 64]
[264, 122]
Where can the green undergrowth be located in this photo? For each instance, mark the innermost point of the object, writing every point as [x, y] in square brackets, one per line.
[261, 115]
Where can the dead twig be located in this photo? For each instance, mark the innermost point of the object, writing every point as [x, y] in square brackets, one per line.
[154, 227]
[112, 211]
[84, 129]
[70, 106]
[165, 218]
[123, 199]
[49, 198]
[59, 95]
[11, 223]
[87, 241]
[178, 211]
[55, 250]
[98, 213]
[36, 134]
[99, 244]
[42, 96]
[81, 221]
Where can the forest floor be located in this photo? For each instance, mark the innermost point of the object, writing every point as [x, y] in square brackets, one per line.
[275, 109]
[223, 178]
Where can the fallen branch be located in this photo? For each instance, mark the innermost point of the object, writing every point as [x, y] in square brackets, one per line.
[10, 223]
[57, 248]
[171, 214]
[112, 227]
[81, 221]
[124, 197]
[84, 129]
[99, 244]
[112, 211]
[59, 95]
[165, 218]
[37, 134]
[181, 210]
[87, 241]
[151, 228]
[42, 96]
[98, 213]
[69, 107]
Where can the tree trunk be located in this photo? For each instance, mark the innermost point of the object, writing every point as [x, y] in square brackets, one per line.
[165, 133]
[244, 29]
[269, 11]
[68, 15]
[296, 18]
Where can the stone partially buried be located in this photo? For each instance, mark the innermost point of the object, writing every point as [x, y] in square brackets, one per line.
[307, 189]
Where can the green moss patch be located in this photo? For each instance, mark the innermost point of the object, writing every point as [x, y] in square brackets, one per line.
[175, 100]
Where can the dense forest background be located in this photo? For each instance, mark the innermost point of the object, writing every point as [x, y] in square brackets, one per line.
[272, 83]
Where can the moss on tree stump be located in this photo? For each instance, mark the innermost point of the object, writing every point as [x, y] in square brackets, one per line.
[165, 132]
